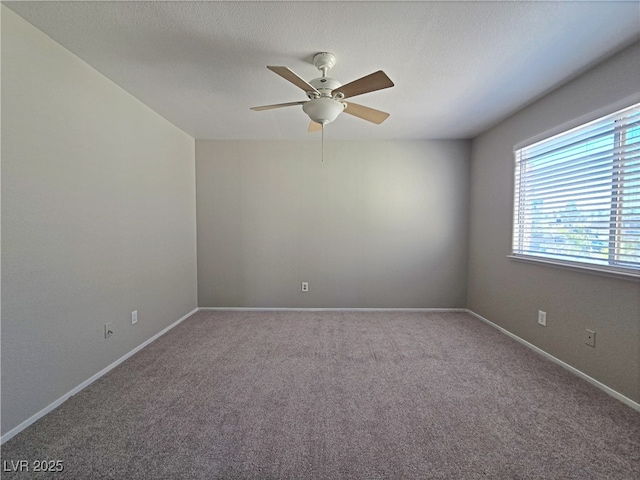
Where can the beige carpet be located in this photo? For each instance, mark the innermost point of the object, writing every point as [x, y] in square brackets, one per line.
[335, 395]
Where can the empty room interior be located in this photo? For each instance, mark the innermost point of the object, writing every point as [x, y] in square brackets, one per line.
[216, 265]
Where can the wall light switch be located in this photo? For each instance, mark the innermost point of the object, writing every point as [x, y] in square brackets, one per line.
[134, 317]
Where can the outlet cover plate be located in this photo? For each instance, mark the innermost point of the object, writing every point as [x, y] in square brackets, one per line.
[542, 318]
[305, 286]
[134, 317]
[590, 338]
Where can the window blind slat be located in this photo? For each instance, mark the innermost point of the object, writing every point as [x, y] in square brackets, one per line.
[563, 206]
[593, 163]
[551, 162]
[618, 122]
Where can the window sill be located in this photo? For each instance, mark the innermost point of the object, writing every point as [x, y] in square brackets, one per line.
[593, 269]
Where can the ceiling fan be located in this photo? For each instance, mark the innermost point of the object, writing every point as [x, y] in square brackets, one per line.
[326, 95]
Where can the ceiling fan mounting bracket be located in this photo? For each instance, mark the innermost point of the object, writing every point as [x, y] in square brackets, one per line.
[324, 61]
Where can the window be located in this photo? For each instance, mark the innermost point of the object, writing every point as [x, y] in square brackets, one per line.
[577, 196]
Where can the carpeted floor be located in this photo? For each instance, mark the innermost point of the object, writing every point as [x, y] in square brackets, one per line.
[335, 395]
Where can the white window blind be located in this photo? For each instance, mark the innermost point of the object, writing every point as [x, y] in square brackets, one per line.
[577, 195]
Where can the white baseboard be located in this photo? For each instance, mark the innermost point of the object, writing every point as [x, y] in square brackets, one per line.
[320, 309]
[575, 371]
[14, 431]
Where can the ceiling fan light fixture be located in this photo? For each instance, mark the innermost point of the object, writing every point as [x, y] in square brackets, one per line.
[323, 110]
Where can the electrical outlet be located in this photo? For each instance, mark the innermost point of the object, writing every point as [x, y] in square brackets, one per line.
[305, 286]
[590, 338]
[108, 330]
[542, 318]
[134, 317]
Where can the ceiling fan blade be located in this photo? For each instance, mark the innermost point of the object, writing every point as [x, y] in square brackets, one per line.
[370, 114]
[277, 105]
[370, 83]
[287, 74]
[314, 127]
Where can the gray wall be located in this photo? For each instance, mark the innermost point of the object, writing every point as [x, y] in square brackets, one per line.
[377, 224]
[98, 219]
[509, 292]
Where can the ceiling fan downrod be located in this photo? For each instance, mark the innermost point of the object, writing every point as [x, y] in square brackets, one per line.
[325, 107]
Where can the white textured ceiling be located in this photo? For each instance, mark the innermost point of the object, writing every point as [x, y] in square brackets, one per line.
[458, 67]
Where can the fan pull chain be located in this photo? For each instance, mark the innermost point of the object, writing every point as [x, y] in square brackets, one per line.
[323, 143]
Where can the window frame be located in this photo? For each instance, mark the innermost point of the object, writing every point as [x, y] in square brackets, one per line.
[617, 270]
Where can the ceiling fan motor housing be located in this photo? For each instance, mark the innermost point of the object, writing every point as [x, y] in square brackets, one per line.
[324, 109]
[325, 85]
